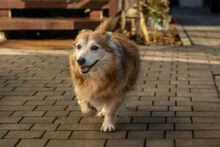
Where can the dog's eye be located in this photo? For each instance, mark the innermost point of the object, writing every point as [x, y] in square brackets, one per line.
[94, 47]
[78, 46]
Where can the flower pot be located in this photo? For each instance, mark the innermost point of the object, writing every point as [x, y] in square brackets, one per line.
[160, 25]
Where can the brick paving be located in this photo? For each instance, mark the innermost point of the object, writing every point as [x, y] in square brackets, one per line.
[175, 102]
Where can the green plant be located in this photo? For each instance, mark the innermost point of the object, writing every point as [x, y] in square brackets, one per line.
[156, 9]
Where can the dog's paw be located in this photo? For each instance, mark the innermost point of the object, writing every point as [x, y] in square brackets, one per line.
[101, 113]
[107, 127]
[89, 112]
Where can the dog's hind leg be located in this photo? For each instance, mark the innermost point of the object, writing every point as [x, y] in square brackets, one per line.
[87, 109]
[108, 124]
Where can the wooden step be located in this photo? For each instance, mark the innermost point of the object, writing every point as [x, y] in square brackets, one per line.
[47, 23]
[67, 4]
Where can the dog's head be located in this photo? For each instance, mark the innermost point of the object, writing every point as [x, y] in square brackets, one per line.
[94, 51]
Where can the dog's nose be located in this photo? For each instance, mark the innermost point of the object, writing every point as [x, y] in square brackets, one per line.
[81, 61]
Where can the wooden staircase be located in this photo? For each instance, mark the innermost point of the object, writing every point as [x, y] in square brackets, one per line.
[10, 22]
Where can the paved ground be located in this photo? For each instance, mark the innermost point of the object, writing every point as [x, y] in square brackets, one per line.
[175, 104]
[200, 25]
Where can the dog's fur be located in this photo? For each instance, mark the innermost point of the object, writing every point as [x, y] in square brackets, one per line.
[106, 83]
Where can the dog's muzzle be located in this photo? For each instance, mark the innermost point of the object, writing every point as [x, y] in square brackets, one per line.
[86, 69]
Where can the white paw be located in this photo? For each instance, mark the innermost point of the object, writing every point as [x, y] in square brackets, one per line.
[107, 127]
[101, 113]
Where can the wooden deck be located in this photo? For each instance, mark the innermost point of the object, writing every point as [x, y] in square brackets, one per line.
[47, 23]
[67, 4]
[9, 22]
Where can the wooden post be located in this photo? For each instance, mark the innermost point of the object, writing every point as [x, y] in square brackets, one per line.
[138, 30]
[113, 7]
[4, 13]
[142, 31]
[123, 17]
[96, 14]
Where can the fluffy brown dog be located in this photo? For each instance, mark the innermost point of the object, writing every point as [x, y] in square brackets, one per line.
[104, 67]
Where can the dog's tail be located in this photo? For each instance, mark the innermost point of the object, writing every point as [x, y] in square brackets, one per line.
[111, 24]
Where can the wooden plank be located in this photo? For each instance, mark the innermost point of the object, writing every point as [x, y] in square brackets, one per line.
[21, 4]
[113, 7]
[46, 24]
[96, 14]
[92, 4]
[7, 4]
[86, 24]
[45, 4]
[4, 13]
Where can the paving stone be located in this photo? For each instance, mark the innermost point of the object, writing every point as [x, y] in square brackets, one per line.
[197, 143]
[57, 113]
[2, 133]
[28, 113]
[158, 143]
[148, 120]
[153, 108]
[8, 142]
[163, 114]
[9, 119]
[75, 113]
[160, 127]
[48, 108]
[198, 114]
[145, 134]
[85, 127]
[178, 134]
[5, 113]
[11, 102]
[180, 108]
[39, 102]
[207, 134]
[76, 143]
[197, 127]
[15, 126]
[16, 108]
[164, 103]
[56, 134]
[178, 120]
[44, 127]
[127, 143]
[24, 134]
[32, 143]
[209, 120]
[97, 135]
[133, 127]
[65, 120]
[38, 119]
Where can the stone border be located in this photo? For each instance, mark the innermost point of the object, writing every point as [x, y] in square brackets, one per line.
[217, 82]
[182, 34]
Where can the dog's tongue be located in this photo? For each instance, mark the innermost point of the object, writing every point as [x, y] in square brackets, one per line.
[84, 69]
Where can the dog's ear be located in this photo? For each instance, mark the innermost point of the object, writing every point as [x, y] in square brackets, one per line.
[74, 44]
[82, 31]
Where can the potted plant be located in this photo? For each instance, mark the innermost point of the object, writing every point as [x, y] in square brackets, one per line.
[157, 14]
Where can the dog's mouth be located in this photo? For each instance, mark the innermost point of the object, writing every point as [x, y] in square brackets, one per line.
[86, 69]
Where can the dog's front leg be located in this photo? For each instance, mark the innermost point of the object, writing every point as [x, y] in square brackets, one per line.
[108, 124]
[87, 109]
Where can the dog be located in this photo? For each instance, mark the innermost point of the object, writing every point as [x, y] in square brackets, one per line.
[104, 66]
